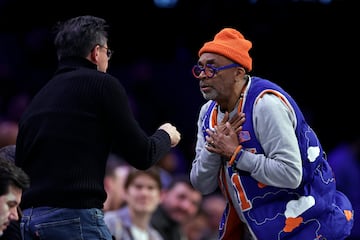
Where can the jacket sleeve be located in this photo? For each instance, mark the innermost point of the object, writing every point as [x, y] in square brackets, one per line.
[128, 138]
[281, 165]
[205, 167]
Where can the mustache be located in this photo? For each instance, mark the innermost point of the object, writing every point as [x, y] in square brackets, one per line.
[204, 85]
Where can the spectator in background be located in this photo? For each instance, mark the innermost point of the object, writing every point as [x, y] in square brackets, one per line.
[205, 225]
[17, 181]
[68, 130]
[173, 163]
[4, 190]
[213, 205]
[116, 172]
[142, 193]
[197, 227]
[4, 208]
[180, 202]
[345, 162]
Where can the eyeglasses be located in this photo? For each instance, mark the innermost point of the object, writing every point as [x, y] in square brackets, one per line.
[109, 52]
[209, 70]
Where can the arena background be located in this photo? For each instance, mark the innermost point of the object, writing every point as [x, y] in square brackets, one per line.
[308, 47]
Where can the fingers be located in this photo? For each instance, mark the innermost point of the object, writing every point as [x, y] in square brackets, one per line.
[175, 139]
[212, 149]
[220, 131]
[217, 141]
[237, 117]
[174, 134]
[209, 137]
[210, 144]
[223, 129]
[237, 121]
[229, 128]
[212, 136]
[237, 130]
[237, 126]
[225, 118]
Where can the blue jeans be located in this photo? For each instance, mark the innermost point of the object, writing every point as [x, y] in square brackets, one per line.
[47, 223]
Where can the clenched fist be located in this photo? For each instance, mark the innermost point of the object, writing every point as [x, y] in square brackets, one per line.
[173, 133]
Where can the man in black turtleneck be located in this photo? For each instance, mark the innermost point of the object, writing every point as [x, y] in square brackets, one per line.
[67, 132]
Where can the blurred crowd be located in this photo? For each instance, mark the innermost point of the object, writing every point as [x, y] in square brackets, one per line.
[174, 94]
[163, 199]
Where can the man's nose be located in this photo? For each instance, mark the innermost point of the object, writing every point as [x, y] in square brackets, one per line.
[14, 214]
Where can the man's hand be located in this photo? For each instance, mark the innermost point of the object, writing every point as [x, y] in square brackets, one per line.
[236, 122]
[224, 139]
[174, 134]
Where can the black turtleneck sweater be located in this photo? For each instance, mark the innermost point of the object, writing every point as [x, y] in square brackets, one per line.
[67, 132]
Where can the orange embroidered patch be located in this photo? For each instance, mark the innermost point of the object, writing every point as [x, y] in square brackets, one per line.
[292, 223]
[348, 214]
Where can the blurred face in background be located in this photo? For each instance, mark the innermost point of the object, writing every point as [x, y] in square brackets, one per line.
[214, 207]
[114, 186]
[196, 227]
[9, 204]
[13, 201]
[4, 213]
[181, 202]
[143, 194]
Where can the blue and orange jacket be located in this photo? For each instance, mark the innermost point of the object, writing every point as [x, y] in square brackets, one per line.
[314, 210]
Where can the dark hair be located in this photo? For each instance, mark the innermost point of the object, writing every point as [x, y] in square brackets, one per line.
[4, 187]
[8, 152]
[179, 179]
[152, 172]
[10, 174]
[76, 37]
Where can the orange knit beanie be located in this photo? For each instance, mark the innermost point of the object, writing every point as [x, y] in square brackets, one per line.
[231, 44]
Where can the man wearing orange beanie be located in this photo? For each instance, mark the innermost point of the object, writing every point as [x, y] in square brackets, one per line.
[270, 166]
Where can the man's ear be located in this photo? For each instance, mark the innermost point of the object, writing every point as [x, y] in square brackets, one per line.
[94, 54]
[241, 70]
[240, 73]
